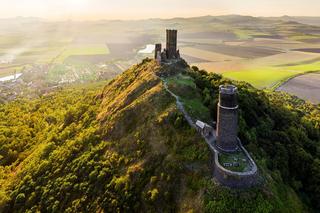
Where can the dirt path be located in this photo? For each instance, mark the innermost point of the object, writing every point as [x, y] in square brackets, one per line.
[209, 139]
[180, 105]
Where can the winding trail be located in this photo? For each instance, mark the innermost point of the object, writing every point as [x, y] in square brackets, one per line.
[179, 105]
[209, 139]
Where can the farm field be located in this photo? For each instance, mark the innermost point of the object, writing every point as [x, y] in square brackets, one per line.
[272, 76]
[265, 54]
[260, 78]
[88, 50]
[265, 72]
[207, 55]
[259, 63]
[268, 73]
[306, 87]
[238, 50]
[264, 57]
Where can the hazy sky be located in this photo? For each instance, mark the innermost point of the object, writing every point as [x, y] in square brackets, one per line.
[137, 9]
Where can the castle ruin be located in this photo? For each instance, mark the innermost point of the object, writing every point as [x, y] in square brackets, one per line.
[233, 166]
[227, 143]
[157, 51]
[170, 52]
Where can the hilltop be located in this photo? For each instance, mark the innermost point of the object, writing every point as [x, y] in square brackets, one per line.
[123, 146]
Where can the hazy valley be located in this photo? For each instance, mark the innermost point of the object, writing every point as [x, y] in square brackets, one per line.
[262, 51]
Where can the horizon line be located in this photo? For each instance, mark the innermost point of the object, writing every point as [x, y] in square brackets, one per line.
[147, 18]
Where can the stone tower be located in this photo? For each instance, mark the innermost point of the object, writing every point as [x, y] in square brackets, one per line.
[157, 50]
[171, 46]
[227, 123]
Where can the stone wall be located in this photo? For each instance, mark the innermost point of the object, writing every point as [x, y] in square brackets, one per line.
[235, 179]
[227, 129]
[227, 123]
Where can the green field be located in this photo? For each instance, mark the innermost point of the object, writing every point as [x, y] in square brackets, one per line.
[259, 78]
[83, 50]
[270, 76]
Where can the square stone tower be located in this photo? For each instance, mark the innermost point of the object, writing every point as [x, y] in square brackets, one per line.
[171, 45]
[227, 123]
[157, 50]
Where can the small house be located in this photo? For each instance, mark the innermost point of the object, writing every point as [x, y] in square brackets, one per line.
[204, 128]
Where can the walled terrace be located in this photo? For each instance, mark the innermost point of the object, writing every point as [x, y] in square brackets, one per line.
[236, 170]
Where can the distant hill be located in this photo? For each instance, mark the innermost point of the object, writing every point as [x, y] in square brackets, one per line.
[203, 19]
[302, 19]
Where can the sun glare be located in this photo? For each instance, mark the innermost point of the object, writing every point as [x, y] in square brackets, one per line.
[76, 5]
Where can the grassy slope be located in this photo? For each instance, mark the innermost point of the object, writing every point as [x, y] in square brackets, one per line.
[138, 133]
[127, 149]
[186, 89]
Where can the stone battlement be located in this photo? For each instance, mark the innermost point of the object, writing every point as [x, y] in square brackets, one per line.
[172, 30]
[228, 96]
[228, 89]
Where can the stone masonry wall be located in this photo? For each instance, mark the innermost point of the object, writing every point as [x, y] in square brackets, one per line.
[235, 179]
[227, 129]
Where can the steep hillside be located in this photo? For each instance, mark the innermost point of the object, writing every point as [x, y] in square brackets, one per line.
[126, 148]
[119, 150]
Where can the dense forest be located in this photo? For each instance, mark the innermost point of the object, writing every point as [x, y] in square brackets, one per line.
[125, 147]
[280, 130]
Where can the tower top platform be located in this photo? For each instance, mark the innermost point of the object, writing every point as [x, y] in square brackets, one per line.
[228, 89]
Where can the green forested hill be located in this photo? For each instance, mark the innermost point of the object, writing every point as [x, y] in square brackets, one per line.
[126, 148]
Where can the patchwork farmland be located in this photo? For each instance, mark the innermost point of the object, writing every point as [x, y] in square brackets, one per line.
[265, 54]
[255, 62]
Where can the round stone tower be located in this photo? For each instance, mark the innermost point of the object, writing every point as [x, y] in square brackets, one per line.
[227, 123]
